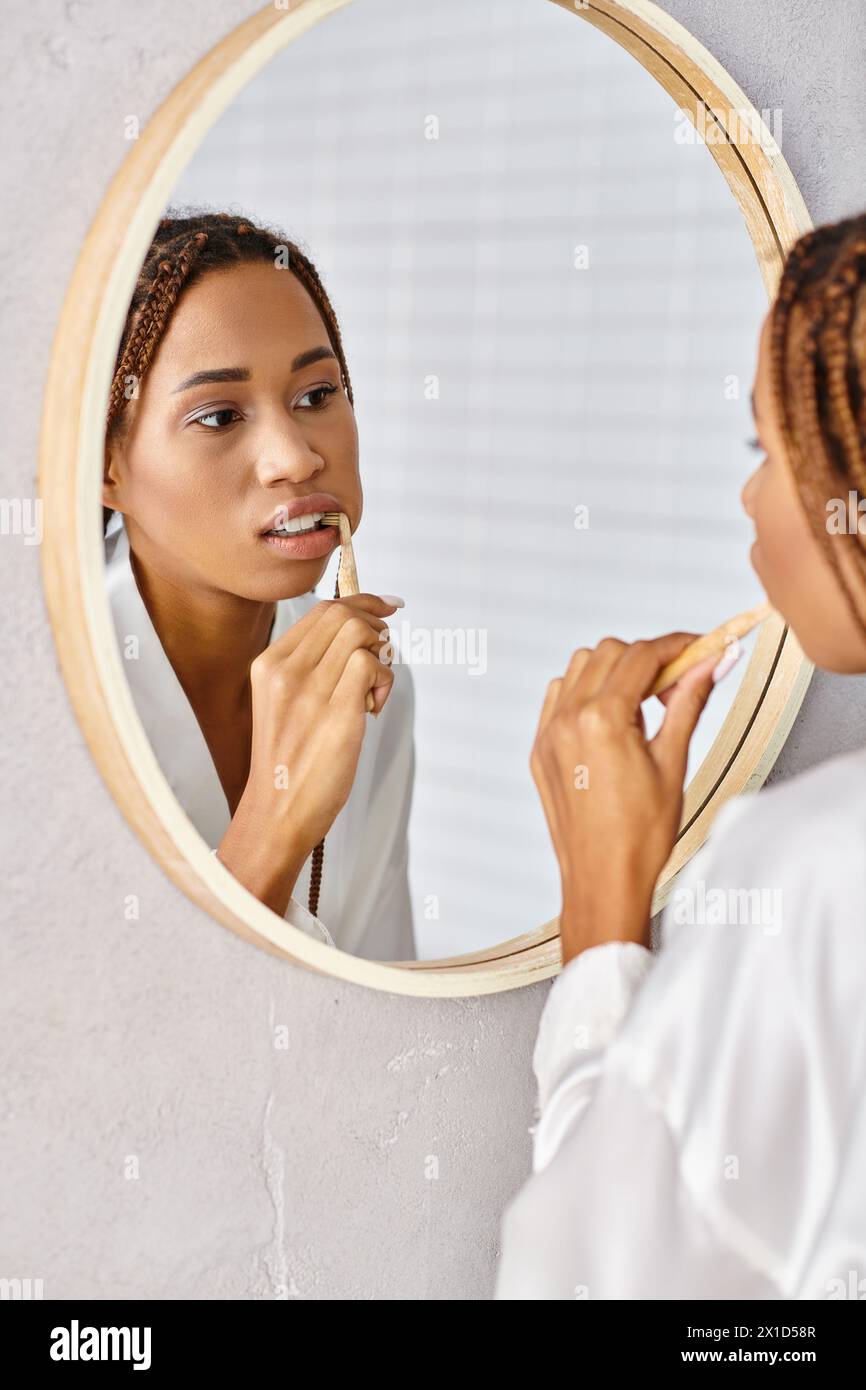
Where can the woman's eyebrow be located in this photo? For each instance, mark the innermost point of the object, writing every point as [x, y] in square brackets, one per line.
[216, 374]
[315, 354]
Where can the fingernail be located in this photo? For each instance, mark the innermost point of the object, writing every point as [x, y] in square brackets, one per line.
[727, 663]
[393, 598]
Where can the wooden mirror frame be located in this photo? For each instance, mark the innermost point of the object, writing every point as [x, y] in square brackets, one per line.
[70, 471]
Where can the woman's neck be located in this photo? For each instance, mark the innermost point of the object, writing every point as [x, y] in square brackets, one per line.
[210, 639]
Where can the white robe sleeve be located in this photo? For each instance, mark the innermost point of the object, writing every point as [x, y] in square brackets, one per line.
[695, 1108]
[582, 1013]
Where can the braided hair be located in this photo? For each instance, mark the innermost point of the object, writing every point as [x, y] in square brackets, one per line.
[183, 249]
[817, 352]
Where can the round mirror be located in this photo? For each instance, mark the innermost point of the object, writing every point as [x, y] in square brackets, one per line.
[548, 302]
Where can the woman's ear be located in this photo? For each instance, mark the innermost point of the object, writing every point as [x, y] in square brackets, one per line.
[110, 477]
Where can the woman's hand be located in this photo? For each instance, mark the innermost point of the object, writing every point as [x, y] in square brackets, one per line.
[309, 689]
[612, 798]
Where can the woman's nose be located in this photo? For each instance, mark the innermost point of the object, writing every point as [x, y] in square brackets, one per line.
[293, 468]
[286, 454]
[747, 496]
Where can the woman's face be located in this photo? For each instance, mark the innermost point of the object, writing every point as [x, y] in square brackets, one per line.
[205, 466]
[787, 557]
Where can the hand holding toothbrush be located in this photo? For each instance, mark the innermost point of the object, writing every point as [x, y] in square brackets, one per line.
[613, 798]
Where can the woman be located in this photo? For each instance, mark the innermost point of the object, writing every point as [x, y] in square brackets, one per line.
[231, 418]
[702, 1115]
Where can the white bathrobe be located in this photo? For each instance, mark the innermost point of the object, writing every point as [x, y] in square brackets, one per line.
[701, 1118]
[364, 902]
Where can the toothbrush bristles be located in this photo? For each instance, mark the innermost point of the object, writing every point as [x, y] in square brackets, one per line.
[331, 519]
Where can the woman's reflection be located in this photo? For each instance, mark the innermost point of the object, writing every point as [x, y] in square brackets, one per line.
[231, 418]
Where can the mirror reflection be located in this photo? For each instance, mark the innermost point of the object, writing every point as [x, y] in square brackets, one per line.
[465, 276]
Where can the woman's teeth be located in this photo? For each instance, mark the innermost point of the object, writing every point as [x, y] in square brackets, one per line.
[296, 524]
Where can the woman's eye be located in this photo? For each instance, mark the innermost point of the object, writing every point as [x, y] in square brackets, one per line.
[317, 391]
[215, 415]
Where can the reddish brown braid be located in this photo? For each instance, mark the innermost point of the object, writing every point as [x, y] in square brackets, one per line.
[183, 249]
[319, 851]
[818, 371]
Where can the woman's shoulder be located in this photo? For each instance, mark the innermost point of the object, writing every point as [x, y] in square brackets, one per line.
[813, 813]
[778, 889]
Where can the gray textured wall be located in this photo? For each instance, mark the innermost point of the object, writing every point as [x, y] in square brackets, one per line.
[152, 1042]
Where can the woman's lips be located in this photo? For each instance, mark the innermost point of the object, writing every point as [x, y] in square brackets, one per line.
[306, 545]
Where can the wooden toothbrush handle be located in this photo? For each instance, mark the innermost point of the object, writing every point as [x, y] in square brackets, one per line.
[347, 579]
[347, 575]
[711, 644]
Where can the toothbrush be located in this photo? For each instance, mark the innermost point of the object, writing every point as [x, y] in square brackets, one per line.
[347, 574]
[711, 644]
